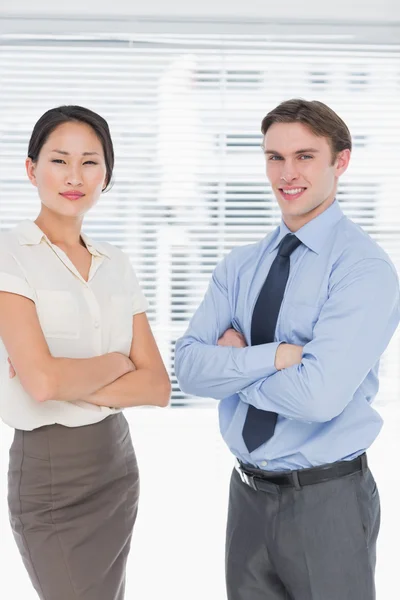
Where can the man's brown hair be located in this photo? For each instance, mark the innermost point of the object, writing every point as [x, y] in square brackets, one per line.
[315, 115]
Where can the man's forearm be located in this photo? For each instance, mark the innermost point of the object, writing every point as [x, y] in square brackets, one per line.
[141, 387]
[213, 371]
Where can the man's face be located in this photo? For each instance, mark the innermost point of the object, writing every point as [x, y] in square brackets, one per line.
[301, 171]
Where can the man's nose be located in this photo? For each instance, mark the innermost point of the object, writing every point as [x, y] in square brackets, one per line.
[289, 172]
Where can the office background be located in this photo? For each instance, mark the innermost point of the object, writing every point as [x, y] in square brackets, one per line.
[184, 89]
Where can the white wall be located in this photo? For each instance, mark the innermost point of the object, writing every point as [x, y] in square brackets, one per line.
[332, 10]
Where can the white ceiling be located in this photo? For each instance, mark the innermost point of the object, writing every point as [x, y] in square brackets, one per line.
[365, 11]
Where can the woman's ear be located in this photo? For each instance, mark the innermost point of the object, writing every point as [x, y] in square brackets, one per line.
[31, 170]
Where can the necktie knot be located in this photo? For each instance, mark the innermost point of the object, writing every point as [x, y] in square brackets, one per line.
[289, 243]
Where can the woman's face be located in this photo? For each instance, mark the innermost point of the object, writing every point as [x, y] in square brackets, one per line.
[70, 172]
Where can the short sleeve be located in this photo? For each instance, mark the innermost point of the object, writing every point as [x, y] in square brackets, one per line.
[139, 301]
[12, 278]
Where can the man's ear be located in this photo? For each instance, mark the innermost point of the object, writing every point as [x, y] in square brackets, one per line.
[31, 171]
[342, 162]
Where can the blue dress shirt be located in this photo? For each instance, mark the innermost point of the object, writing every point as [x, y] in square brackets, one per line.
[341, 303]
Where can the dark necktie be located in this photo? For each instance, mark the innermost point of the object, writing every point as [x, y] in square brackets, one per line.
[259, 425]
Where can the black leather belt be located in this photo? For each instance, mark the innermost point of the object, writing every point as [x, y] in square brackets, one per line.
[259, 479]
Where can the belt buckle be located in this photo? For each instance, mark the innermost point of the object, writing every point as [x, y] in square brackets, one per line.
[246, 478]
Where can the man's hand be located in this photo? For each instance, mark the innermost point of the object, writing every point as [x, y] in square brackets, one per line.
[288, 355]
[231, 337]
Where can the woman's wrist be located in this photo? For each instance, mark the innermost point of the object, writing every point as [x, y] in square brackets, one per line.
[125, 365]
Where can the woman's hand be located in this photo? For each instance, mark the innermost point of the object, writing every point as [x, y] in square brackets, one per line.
[11, 370]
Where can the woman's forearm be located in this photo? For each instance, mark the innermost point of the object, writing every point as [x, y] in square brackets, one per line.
[72, 378]
[141, 387]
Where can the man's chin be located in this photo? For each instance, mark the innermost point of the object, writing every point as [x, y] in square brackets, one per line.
[299, 205]
[296, 211]
[300, 215]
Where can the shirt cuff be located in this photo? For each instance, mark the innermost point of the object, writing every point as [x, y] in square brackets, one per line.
[139, 304]
[15, 285]
[261, 359]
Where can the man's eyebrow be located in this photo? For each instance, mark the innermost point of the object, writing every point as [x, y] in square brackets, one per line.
[83, 153]
[301, 151]
[304, 150]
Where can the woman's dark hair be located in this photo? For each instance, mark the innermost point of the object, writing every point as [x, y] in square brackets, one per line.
[54, 117]
[315, 115]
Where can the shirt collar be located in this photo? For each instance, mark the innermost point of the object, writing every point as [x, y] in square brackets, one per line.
[29, 234]
[94, 247]
[314, 233]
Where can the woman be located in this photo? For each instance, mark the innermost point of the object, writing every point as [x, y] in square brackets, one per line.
[73, 324]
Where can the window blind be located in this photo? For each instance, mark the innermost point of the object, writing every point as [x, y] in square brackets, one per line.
[185, 114]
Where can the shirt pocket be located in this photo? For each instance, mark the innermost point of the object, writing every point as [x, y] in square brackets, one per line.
[301, 322]
[58, 314]
[121, 322]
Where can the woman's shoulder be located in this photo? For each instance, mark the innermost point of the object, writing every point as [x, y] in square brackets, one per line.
[8, 240]
[114, 253]
[105, 248]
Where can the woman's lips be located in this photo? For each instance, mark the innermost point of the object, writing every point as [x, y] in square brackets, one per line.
[72, 195]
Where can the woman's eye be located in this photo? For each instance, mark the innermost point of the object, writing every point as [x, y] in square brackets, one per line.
[60, 161]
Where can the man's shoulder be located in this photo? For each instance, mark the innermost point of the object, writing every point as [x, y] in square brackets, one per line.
[355, 244]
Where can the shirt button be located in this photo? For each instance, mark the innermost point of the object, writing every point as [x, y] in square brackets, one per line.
[263, 463]
[96, 324]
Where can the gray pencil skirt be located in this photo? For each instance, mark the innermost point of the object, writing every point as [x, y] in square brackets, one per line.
[73, 498]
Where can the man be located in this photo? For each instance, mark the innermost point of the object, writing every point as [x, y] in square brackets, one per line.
[289, 337]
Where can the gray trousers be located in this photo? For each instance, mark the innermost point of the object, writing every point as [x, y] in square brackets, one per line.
[314, 543]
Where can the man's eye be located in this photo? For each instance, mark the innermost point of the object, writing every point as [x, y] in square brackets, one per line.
[275, 157]
[305, 156]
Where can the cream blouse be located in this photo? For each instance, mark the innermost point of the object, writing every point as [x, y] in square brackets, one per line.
[79, 319]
